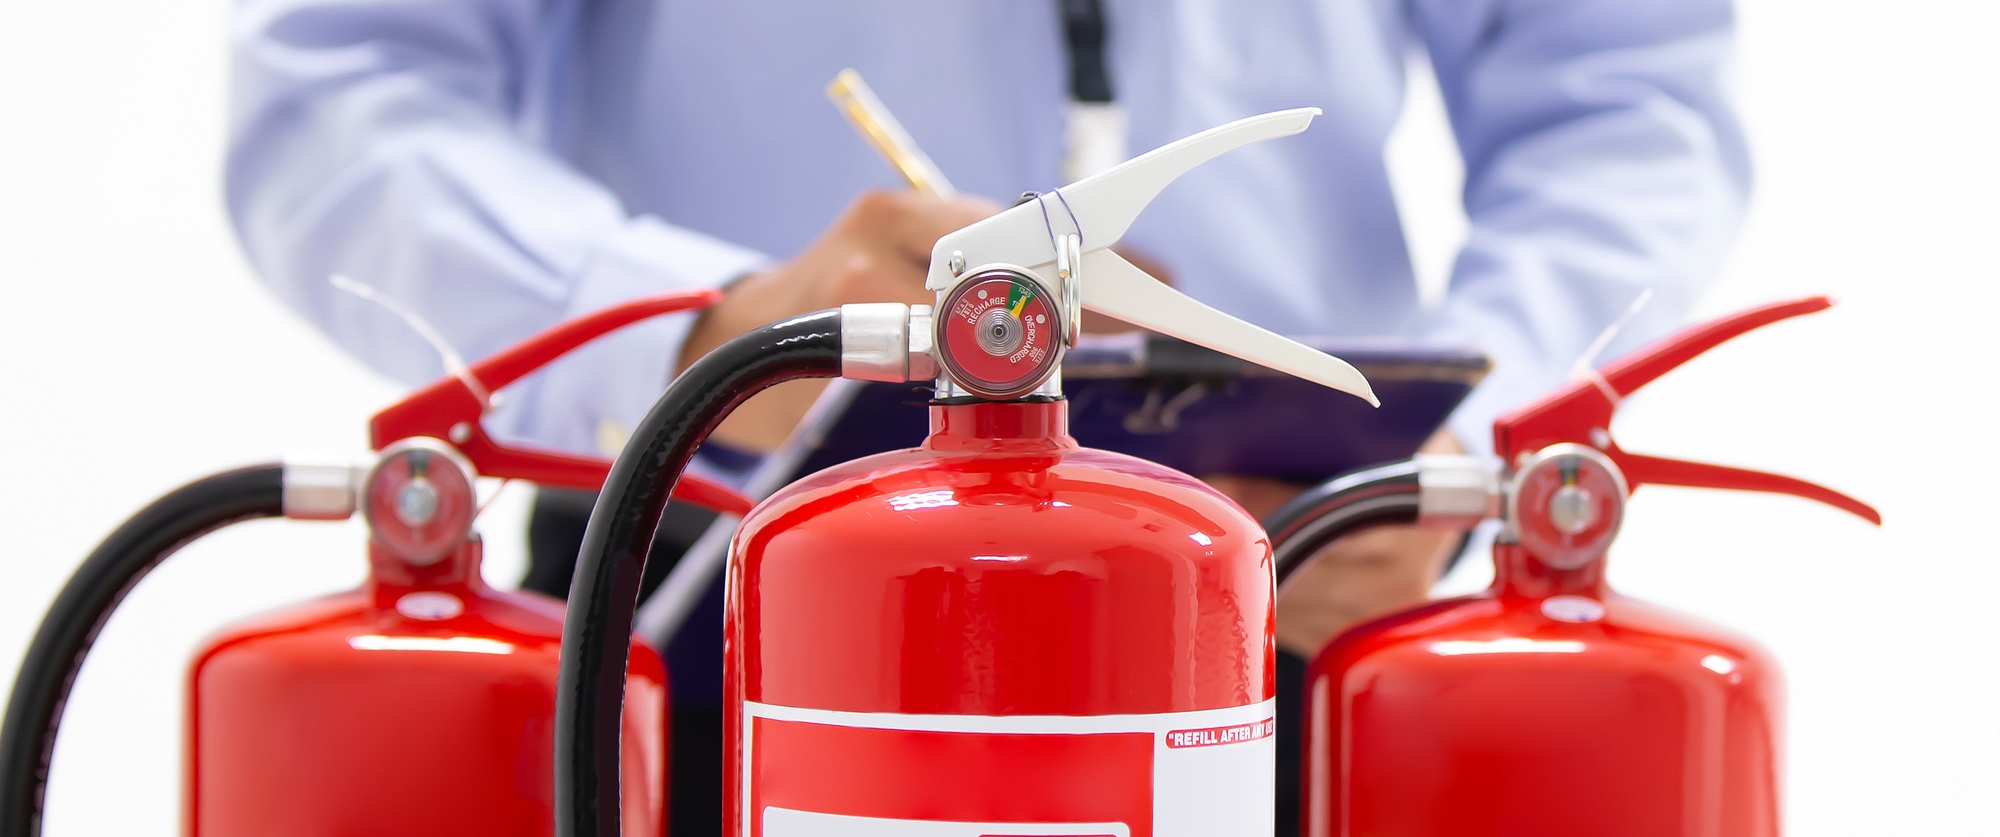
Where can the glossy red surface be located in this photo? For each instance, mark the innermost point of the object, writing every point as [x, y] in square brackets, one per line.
[422, 703]
[999, 569]
[1488, 715]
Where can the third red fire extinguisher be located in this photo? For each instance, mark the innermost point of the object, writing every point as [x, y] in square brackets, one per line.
[1549, 704]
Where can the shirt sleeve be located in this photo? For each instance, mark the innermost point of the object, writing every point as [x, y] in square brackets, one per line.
[1602, 158]
[402, 143]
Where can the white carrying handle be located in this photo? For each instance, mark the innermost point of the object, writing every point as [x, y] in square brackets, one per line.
[1115, 287]
[1103, 207]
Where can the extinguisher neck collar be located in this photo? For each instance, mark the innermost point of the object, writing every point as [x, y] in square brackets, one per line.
[390, 576]
[983, 425]
[1516, 572]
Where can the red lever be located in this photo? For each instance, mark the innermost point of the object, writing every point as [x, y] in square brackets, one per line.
[1581, 413]
[449, 409]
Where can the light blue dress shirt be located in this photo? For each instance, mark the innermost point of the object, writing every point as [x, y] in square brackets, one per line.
[501, 165]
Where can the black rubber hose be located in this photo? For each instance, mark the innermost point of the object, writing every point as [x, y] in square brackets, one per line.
[1325, 513]
[1346, 504]
[590, 688]
[28, 738]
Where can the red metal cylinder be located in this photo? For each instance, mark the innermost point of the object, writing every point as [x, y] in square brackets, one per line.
[421, 703]
[995, 630]
[1547, 705]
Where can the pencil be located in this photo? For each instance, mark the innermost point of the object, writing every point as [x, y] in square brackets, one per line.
[880, 128]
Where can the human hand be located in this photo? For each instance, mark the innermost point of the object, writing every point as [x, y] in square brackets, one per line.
[1370, 573]
[877, 250]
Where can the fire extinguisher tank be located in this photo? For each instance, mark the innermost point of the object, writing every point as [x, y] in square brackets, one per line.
[998, 571]
[997, 632]
[1548, 703]
[417, 704]
[423, 702]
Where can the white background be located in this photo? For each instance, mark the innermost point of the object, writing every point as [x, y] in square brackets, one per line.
[136, 352]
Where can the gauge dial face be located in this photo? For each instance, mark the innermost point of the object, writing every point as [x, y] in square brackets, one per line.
[999, 337]
[419, 503]
[1568, 505]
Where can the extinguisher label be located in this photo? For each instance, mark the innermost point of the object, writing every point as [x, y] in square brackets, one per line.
[781, 822]
[1212, 736]
[835, 774]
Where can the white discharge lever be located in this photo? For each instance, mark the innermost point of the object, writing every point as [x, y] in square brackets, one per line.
[999, 333]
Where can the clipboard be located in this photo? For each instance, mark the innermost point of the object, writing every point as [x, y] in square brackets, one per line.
[1201, 411]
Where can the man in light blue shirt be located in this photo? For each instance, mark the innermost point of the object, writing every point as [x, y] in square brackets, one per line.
[500, 165]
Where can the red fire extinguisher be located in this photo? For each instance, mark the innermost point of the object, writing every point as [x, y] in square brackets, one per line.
[1548, 704]
[420, 703]
[998, 632]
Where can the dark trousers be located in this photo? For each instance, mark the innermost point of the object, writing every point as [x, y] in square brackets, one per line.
[694, 663]
[694, 658]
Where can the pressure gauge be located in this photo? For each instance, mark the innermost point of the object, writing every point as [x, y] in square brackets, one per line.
[419, 500]
[999, 333]
[1567, 504]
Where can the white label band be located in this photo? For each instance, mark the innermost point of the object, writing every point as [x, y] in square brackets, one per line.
[1181, 774]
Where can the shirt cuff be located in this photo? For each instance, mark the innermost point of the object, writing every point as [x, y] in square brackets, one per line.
[589, 400]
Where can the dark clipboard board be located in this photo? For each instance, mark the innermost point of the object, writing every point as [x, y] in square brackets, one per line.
[1201, 411]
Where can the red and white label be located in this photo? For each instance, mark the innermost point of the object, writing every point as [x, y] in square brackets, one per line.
[1214, 736]
[780, 822]
[836, 774]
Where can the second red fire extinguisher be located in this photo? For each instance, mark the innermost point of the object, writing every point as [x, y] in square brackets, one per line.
[420, 703]
[998, 632]
[1549, 704]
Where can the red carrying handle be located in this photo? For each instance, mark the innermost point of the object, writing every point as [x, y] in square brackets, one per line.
[450, 409]
[1581, 411]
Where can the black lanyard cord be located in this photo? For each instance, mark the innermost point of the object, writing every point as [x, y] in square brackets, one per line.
[1083, 30]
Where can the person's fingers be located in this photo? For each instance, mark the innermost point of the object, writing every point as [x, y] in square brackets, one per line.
[1365, 575]
[910, 223]
[876, 251]
[1361, 576]
[868, 274]
[937, 217]
[880, 247]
